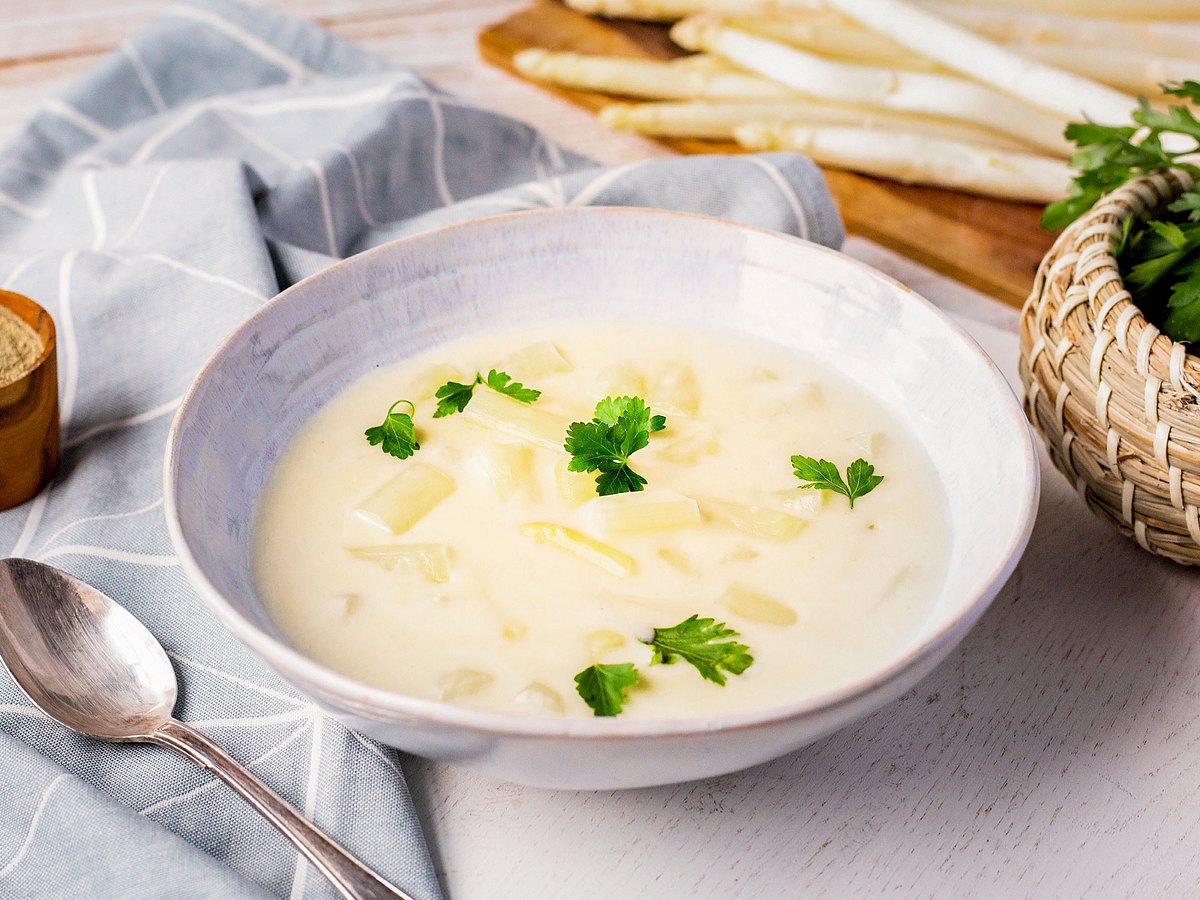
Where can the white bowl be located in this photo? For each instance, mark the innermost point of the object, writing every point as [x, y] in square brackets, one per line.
[396, 300]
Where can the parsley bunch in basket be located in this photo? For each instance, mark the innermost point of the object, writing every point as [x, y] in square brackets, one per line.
[1159, 258]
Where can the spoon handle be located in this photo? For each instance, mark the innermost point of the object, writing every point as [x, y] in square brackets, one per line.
[351, 878]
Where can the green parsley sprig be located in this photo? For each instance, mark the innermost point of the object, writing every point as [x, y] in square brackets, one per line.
[603, 687]
[1159, 258]
[700, 642]
[397, 433]
[619, 428]
[453, 396]
[822, 475]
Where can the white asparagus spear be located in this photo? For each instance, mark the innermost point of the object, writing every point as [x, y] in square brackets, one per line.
[1127, 69]
[912, 92]
[1018, 26]
[643, 78]
[704, 62]
[964, 51]
[1125, 66]
[716, 121]
[1086, 13]
[1106, 9]
[831, 34]
[917, 159]
[672, 10]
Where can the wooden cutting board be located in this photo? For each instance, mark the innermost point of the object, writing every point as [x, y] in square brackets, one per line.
[992, 245]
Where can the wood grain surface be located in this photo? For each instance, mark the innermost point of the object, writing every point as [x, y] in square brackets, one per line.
[992, 245]
[1055, 754]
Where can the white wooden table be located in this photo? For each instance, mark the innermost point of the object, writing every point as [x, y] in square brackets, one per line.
[1055, 754]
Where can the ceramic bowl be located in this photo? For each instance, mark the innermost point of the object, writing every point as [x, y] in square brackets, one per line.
[396, 300]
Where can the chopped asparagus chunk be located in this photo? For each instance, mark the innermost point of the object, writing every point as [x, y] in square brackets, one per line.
[402, 502]
[619, 380]
[644, 511]
[756, 606]
[347, 604]
[598, 553]
[430, 560]
[805, 504]
[574, 487]
[507, 466]
[676, 559]
[867, 444]
[758, 521]
[537, 698]
[527, 423]
[686, 449]
[676, 392]
[462, 683]
[536, 361]
[600, 642]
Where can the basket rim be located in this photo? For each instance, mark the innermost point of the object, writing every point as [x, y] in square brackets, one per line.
[1087, 245]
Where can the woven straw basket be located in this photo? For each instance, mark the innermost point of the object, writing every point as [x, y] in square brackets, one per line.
[1116, 402]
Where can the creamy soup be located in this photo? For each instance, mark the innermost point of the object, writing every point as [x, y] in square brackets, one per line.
[480, 570]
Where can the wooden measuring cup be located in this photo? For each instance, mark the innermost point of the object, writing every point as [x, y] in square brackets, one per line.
[29, 425]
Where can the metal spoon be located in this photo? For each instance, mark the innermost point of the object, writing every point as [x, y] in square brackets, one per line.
[87, 662]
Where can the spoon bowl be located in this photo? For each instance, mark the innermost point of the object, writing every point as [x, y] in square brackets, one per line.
[81, 658]
[84, 660]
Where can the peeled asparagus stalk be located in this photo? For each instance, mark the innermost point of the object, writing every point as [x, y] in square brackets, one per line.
[1020, 26]
[703, 62]
[653, 510]
[1126, 63]
[912, 92]
[1129, 70]
[430, 560]
[830, 34]
[1107, 9]
[671, 10]
[536, 361]
[918, 159]
[754, 520]
[643, 78]
[519, 420]
[401, 502]
[1134, 12]
[966, 52]
[756, 606]
[716, 121]
[598, 553]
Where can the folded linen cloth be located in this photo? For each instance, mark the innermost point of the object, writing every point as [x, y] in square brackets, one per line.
[206, 165]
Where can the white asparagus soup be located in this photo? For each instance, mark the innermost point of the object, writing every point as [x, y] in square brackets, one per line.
[480, 569]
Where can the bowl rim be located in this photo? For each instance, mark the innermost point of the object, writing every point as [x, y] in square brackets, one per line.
[378, 704]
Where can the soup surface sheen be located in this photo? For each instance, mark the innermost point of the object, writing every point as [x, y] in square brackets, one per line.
[464, 604]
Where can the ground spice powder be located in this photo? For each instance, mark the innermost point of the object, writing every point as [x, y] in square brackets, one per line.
[20, 346]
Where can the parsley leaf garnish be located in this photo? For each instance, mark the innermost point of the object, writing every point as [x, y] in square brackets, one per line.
[699, 642]
[502, 383]
[397, 433]
[620, 427]
[453, 396]
[1158, 258]
[823, 475]
[603, 687]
